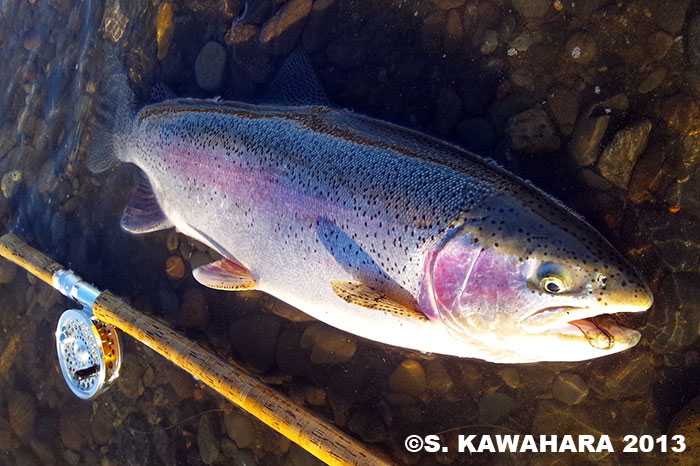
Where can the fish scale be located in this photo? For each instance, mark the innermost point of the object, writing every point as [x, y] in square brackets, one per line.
[381, 231]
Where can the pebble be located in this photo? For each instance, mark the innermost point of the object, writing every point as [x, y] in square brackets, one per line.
[10, 183]
[489, 43]
[511, 377]
[172, 240]
[531, 132]
[207, 441]
[255, 339]
[563, 104]
[165, 28]
[241, 429]
[630, 376]
[622, 152]
[437, 378]
[531, 8]
[210, 65]
[32, 42]
[594, 181]
[477, 134]
[659, 44]
[75, 426]
[289, 312]
[495, 406]
[569, 388]
[247, 54]
[194, 310]
[329, 345]
[670, 16]
[522, 77]
[523, 41]
[368, 425]
[8, 271]
[652, 80]
[581, 48]
[280, 34]
[21, 411]
[681, 113]
[448, 4]
[686, 423]
[175, 267]
[408, 378]
[315, 396]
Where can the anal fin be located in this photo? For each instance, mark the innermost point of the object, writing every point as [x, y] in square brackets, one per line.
[225, 274]
[143, 213]
[364, 295]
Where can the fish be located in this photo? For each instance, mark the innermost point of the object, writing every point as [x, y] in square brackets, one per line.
[378, 230]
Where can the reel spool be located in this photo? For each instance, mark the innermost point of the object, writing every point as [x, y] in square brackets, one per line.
[89, 352]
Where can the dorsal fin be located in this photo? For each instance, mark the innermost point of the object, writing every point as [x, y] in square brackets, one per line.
[296, 83]
[143, 213]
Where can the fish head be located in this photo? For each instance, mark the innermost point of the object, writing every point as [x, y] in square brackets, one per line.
[530, 290]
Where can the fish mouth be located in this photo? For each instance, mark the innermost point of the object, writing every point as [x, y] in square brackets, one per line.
[602, 331]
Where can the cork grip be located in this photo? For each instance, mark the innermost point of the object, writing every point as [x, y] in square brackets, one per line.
[314, 435]
[14, 249]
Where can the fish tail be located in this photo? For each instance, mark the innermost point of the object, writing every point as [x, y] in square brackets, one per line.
[114, 114]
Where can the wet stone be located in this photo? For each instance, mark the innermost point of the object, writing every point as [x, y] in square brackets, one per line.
[532, 132]
[74, 427]
[408, 378]
[621, 153]
[511, 377]
[315, 396]
[241, 429]
[659, 44]
[489, 43]
[207, 441]
[10, 183]
[32, 42]
[165, 28]
[368, 425]
[581, 48]
[246, 53]
[437, 378]
[652, 80]
[329, 346]
[594, 180]
[8, 271]
[495, 406]
[629, 376]
[670, 16]
[210, 65]
[194, 311]
[569, 388]
[448, 4]
[675, 317]
[174, 268]
[681, 113]
[281, 33]
[523, 41]
[563, 103]
[21, 410]
[531, 8]
[686, 423]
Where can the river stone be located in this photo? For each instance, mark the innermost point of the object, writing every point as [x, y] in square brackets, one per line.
[165, 28]
[8, 271]
[685, 423]
[194, 311]
[240, 428]
[531, 8]
[10, 182]
[581, 48]
[563, 104]
[569, 388]
[495, 406]
[255, 339]
[532, 132]
[408, 378]
[280, 34]
[652, 80]
[622, 152]
[210, 65]
[207, 441]
[75, 426]
[626, 377]
[659, 44]
[330, 346]
[21, 410]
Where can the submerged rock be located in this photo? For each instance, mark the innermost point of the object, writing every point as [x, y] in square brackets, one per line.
[210, 65]
[21, 410]
[581, 48]
[622, 152]
[630, 376]
[8, 271]
[408, 378]
[531, 8]
[255, 339]
[207, 441]
[532, 132]
[569, 388]
[280, 34]
[495, 406]
[241, 429]
[165, 28]
[329, 346]
[685, 423]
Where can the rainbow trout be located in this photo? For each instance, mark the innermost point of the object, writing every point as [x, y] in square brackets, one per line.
[377, 230]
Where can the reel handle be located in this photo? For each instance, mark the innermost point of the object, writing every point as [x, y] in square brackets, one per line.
[35, 262]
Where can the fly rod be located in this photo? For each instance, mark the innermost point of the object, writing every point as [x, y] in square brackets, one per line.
[90, 356]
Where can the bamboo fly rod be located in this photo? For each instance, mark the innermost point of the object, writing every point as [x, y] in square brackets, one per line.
[316, 436]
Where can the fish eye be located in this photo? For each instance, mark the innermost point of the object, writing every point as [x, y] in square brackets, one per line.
[552, 284]
[552, 278]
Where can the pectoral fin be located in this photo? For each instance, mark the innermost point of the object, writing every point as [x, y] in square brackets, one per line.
[370, 298]
[143, 214]
[225, 274]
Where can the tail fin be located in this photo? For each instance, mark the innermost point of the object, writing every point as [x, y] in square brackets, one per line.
[113, 116]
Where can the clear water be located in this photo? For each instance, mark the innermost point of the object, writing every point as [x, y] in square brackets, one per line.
[456, 68]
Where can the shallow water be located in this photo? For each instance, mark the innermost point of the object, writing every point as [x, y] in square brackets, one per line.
[615, 134]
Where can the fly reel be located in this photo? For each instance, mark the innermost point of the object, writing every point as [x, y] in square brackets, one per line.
[89, 352]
